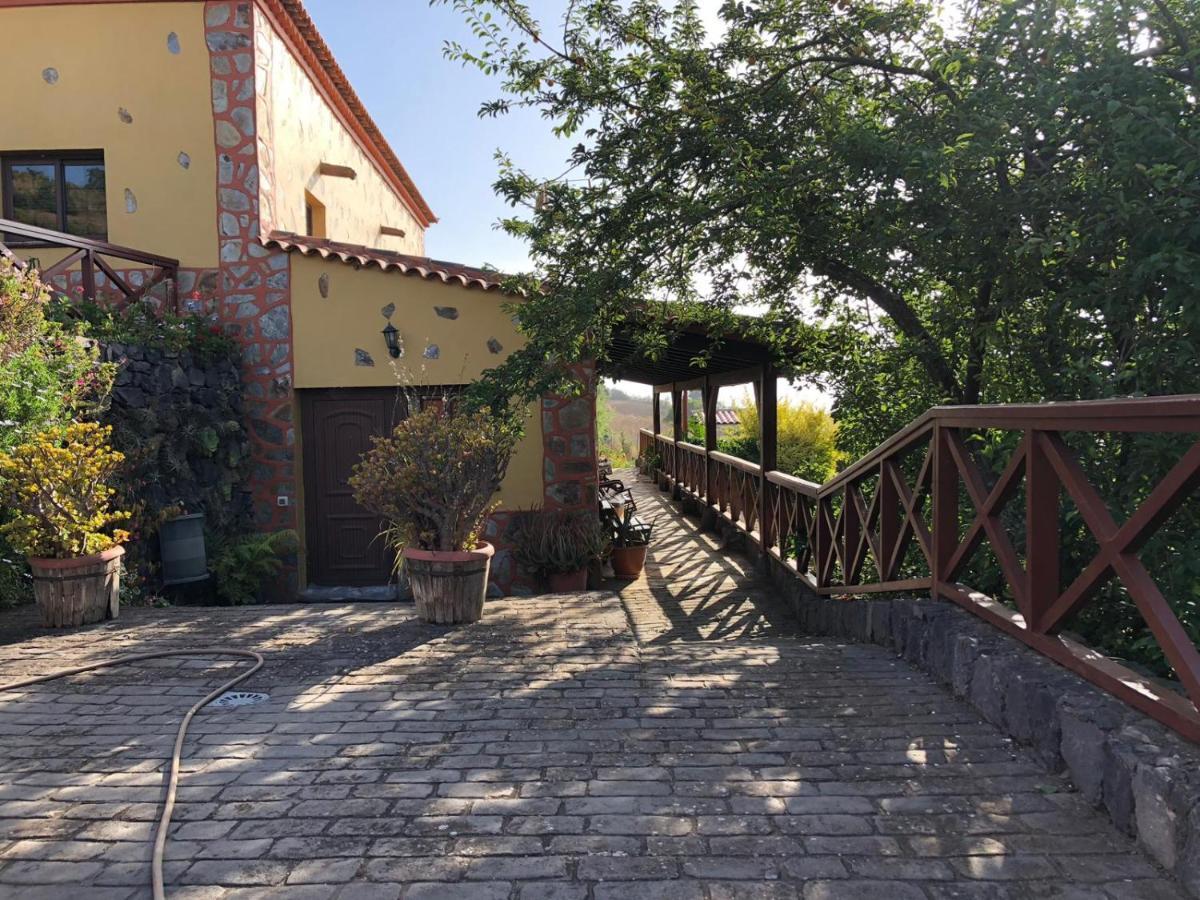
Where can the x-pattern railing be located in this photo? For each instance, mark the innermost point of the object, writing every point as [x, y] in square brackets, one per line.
[856, 533]
[92, 259]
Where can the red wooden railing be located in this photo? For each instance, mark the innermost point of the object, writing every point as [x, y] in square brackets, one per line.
[854, 534]
[92, 258]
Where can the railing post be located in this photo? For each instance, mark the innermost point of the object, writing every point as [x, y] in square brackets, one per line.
[1041, 533]
[889, 525]
[944, 499]
[87, 271]
[710, 436]
[768, 443]
[675, 411]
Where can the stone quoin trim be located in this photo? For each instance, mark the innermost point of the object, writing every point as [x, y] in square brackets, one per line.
[254, 303]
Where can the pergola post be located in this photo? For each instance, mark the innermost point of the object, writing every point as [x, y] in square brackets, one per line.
[657, 413]
[675, 415]
[768, 443]
[710, 435]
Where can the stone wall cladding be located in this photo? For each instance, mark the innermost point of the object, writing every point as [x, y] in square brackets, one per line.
[1144, 775]
[568, 477]
[254, 301]
[569, 446]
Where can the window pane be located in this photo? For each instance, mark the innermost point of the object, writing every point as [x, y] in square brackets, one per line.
[86, 214]
[34, 201]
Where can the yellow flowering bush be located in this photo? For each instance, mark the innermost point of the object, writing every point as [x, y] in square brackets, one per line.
[432, 480]
[55, 489]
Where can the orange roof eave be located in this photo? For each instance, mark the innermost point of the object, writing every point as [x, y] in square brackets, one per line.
[293, 23]
[361, 256]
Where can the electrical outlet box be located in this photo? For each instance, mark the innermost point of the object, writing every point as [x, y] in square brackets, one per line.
[282, 500]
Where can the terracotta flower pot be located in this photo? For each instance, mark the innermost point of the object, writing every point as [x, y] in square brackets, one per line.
[628, 562]
[78, 591]
[449, 586]
[567, 582]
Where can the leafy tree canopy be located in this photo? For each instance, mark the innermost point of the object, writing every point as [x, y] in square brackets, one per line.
[997, 205]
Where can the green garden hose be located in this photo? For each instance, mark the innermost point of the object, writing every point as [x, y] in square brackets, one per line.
[164, 821]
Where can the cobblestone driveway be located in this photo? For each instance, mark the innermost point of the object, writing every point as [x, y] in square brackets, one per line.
[545, 753]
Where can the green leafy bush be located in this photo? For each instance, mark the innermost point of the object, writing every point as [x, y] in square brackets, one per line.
[49, 374]
[241, 565]
[807, 440]
[142, 324]
[57, 492]
[433, 479]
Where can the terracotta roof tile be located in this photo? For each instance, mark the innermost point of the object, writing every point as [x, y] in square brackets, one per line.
[387, 260]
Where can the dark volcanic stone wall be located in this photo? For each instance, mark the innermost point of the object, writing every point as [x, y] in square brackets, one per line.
[178, 419]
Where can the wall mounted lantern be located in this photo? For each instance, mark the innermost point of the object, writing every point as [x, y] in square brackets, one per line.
[394, 344]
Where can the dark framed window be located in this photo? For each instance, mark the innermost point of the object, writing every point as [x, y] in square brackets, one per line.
[62, 191]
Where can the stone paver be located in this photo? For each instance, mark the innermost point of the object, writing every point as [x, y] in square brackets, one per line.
[544, 753]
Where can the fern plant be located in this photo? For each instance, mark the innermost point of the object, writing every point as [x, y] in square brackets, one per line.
[241, 565]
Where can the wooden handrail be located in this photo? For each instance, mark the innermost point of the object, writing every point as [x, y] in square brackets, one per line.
[62, 239]
[736, 461]
[792, 483]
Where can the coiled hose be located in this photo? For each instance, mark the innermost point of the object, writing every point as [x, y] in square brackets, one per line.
[164, 821]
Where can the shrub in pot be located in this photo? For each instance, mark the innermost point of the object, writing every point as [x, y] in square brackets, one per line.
[630, 542]
[432, 481]
[57, 494]
[558, 546]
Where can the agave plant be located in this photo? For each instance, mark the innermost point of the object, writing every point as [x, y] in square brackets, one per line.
[557, 542]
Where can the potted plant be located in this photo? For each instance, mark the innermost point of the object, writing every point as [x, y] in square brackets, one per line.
[650, 462]
[59, 501]
[630, 541]
[558, 546]
[432, 481]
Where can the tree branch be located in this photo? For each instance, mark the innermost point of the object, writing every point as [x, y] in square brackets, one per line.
[900, 312]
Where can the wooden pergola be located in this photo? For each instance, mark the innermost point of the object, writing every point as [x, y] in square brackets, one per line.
[724, 361]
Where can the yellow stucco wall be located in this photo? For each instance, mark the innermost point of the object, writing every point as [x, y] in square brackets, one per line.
[110, 57]
[301, 130]
[327, 332]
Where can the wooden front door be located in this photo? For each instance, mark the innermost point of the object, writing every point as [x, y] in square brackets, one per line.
[344, 547]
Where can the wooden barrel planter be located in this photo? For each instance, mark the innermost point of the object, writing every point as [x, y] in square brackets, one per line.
[78, 591]
[449, 586]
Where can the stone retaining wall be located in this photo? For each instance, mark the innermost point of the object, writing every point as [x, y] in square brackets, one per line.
[1144, 775]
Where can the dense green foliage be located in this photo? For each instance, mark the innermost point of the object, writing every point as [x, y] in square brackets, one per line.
[48, 373]
[143, 325]
[556, 542]
[999, 205]
[176, 413]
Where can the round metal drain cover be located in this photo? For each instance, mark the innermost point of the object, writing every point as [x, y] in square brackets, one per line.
[231, 699]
